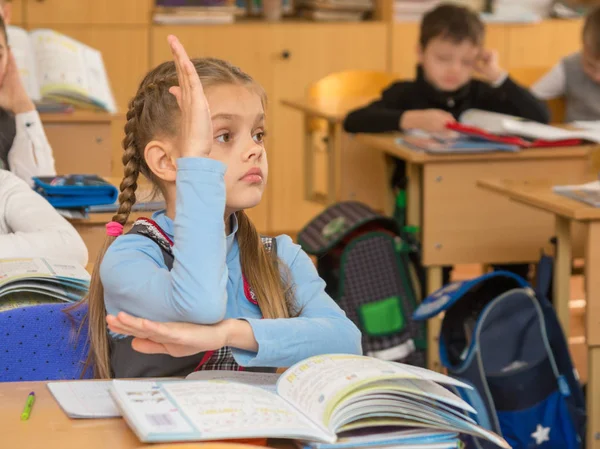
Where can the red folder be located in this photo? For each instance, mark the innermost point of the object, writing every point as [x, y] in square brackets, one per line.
[511, 140]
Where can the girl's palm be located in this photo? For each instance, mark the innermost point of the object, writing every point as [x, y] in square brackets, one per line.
[196, 133]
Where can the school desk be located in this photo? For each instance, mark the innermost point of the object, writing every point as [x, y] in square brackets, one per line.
[341, 171]
[92, 229]
[538, 195]
[49, 428]
[81, 141]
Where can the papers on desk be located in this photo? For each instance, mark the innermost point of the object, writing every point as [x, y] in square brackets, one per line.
[456, 144]
[92, 399]
[587, 193]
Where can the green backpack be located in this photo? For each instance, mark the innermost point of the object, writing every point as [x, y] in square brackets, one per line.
[371, 267]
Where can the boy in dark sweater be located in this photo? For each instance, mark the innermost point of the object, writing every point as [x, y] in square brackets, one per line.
[450, 54]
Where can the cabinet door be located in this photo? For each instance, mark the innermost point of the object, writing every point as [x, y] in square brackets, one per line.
[542, 44]
[67, 12]
[17, 12]
[125, 54]
[306, 53]
[245, 45]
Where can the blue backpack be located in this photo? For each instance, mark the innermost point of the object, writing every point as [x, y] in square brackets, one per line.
[504, 339]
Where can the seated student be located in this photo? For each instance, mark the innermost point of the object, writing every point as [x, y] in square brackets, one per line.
[450, 54]
[577, 77]
[196, 130]
[24, 148]
[31, 227]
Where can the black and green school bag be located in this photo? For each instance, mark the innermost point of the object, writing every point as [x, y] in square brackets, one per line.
[371, 267]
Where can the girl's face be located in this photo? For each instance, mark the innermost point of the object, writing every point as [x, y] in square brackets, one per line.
[238, 119]
[3, 56]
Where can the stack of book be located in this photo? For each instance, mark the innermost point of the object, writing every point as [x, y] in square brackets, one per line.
[28, 282]
[334, 10]
[414, 10]
[191, 12]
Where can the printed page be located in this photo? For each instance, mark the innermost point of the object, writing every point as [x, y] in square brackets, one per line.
[68, 67]
[209, 410]
[85, 399]
[266, 381]
[316, 384]
[28, 268]
[22, 49]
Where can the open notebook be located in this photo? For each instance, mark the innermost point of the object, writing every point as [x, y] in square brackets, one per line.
[517, 131]
[58, 68]
[322, 400]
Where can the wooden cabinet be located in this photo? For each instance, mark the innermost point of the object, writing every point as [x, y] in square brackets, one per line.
[304, 53]
[124, 51]
[542, 44]
[81, 142]
[16, 7]
[87, 12]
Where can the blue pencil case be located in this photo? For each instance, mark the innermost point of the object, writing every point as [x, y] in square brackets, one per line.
[75, 191]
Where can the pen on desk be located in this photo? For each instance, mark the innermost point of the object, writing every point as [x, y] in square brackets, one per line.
[28, 406]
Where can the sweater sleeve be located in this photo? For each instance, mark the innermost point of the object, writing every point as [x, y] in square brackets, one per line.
[31, 153]
[35, 229]
[382, 115]
[321, 328]
[512, 99]
[133, 272]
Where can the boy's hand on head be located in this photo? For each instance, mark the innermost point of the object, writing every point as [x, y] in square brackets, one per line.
[488, 65]
[13, 96]
[196, 133]
[433, 121]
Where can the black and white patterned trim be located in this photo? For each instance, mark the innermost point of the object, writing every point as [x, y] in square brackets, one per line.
[150, 229]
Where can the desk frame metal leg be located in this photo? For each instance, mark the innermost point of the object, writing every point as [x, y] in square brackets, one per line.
[414, 194]
[592, 287]
[562, 272]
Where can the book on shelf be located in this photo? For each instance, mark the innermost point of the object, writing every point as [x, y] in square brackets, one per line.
[32, 281]
[329, 401]
[56, 67]
[588, 193]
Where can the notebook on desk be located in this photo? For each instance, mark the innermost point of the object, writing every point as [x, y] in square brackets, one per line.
[454, 145]
[510, 130]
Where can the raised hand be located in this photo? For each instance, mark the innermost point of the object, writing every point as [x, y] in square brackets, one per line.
[13, 96]
[196, 133]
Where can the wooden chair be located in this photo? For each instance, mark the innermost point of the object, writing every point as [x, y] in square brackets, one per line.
[528, 77]
[353, 86]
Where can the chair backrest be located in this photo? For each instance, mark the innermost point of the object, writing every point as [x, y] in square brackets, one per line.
[351, 83]
[528, 76]
[42, 343]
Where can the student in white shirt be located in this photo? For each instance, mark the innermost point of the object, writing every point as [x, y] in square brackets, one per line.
[577, 77]
[31, 227]
[24, 148]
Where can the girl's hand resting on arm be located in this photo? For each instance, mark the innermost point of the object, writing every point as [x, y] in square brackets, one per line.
[196, 133]
[182, 339]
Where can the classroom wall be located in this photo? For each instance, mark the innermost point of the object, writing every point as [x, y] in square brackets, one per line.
[284, 57]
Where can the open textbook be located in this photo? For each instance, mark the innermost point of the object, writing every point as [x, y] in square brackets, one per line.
[58, 68]
[316, 400]
[37, 280]
[493, 125]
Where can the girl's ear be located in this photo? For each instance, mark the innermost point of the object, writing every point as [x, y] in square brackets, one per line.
[160, 160]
